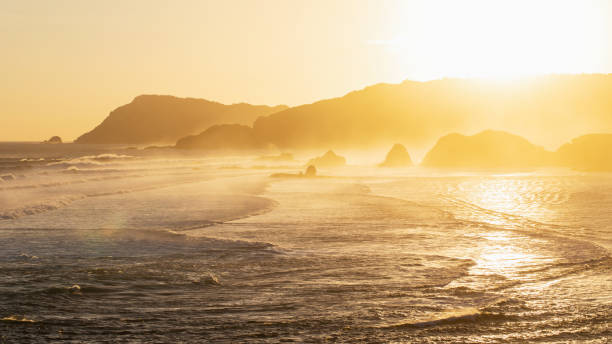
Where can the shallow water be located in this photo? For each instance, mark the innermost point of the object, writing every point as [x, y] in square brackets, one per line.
[107, 246]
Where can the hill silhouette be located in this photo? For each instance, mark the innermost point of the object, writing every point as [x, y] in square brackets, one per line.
[165, 119]
[223, 136]
[488, 149]
[591, 152]
[417, 113]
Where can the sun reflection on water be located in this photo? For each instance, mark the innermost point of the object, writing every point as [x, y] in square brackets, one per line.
[507, 255]
[504, 200]
[503, 260]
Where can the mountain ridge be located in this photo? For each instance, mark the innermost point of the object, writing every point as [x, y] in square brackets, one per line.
[417, 113]
[165, 119]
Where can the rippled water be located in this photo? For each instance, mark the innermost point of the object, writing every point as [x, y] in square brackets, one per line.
[120, 247]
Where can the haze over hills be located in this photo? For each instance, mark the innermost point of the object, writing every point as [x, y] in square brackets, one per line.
[165, 119]
[414, 113]
[498, 149]
[222, 137]
[418, 113]
[591, 152]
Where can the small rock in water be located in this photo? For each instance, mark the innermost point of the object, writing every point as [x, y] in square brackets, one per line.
[329, 159]
[54, 140]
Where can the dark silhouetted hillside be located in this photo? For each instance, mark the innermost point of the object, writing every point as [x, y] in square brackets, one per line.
[397, 157]
[488, 149]
[417, 113]
[222, 137]
[589, 152]
[165, 119]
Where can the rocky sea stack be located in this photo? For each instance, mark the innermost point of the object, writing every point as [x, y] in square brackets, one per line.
[397, 157]
[329, 159]
[54, 140]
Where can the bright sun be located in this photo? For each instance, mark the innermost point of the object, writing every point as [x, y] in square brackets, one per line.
[496, 39]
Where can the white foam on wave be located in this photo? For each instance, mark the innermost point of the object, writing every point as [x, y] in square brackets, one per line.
[7, 177]
[38, 207]
[17, 318]
[91, 160]
[448, 316]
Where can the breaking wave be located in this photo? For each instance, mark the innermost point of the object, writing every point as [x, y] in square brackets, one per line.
[17, 319]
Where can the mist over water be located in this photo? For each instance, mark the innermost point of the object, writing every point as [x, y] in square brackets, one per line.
[100, 244]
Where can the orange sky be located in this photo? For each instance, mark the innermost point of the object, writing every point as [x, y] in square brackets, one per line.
[66, 64]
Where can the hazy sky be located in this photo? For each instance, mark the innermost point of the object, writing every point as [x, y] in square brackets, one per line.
[65, 64]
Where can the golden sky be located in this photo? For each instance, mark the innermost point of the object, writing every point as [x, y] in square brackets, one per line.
[66, 63]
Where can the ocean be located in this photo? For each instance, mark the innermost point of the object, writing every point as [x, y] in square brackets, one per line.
[107, 244]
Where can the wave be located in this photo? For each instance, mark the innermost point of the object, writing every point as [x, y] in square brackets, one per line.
[96, 175]
[77, 170]
[7, 177]
[206, 279]
[140, 283]
[454, 316]
[77, 290]
[99, 158]
[527, 226]
[564, 254]
[39, 207]
[17, 319]
[90, 161]
[25, 256]
[56, 203]
[73, 181]
[174, 218]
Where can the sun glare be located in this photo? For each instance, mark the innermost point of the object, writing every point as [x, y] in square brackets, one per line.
[496, 39]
